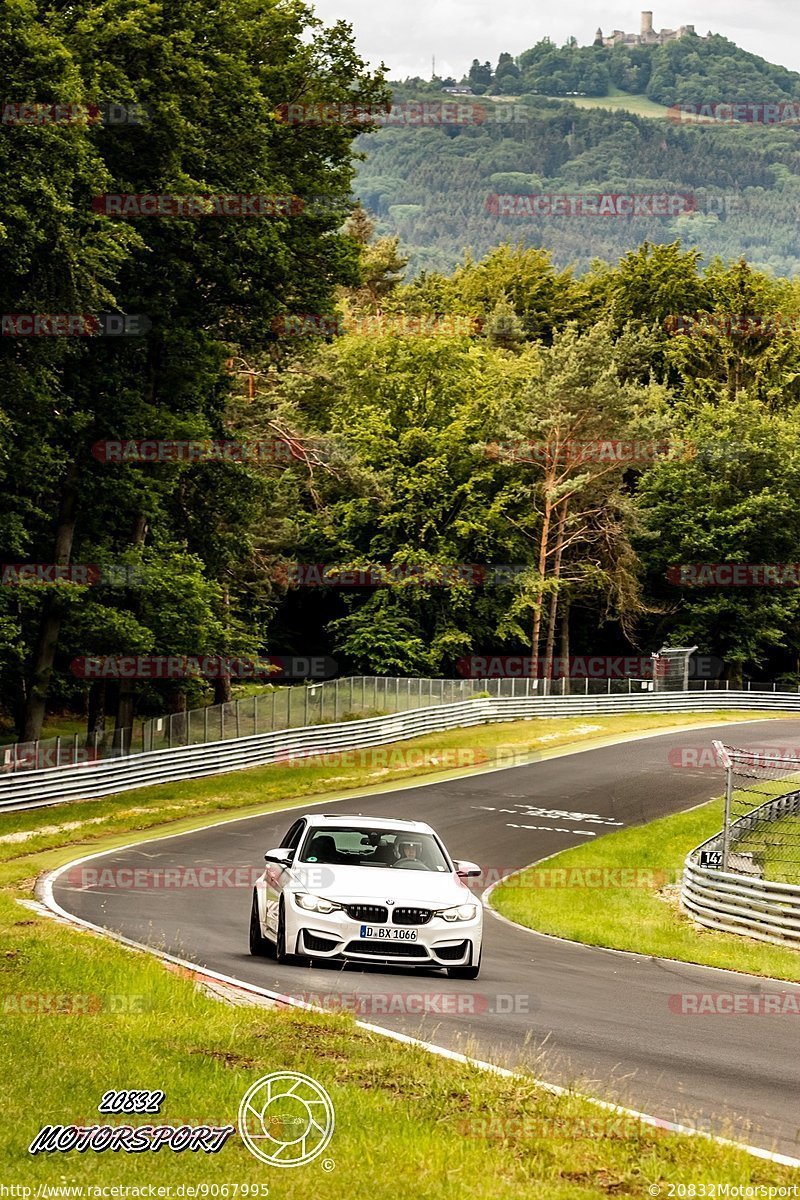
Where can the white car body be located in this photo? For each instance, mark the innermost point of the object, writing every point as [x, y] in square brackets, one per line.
[380, 911]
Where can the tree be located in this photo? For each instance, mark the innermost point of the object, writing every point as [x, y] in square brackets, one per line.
[567, 469]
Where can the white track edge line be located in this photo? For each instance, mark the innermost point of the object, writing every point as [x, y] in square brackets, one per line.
[45, 888]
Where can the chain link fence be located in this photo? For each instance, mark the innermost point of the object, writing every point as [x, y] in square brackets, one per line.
[352, 698]
[761, 829]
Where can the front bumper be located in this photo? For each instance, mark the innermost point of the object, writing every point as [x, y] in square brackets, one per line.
[438, 943]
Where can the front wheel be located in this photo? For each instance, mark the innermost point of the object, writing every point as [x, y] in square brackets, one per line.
[281, 953]
[259, 945]
[464, 972]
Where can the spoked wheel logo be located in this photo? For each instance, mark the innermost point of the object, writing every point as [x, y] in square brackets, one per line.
[286, 1119]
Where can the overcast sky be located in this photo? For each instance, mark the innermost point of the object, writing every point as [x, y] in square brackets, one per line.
[405, 34]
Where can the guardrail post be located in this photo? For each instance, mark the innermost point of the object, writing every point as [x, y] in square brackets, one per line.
[238, 726]
[336, 701]
[58, 751]
[205, 724]
[305, 706]
[586, 686]
[36, 755]
[75, 748]
[255, 713]
[726, 828]
[608, 690]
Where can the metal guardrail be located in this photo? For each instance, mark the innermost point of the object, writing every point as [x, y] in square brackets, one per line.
[331, 700]
[733, 903]
[93, 779]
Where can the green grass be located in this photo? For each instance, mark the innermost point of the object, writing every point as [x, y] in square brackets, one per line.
[618, 101]
[407, 1123]
[776, 847]
[641, 915]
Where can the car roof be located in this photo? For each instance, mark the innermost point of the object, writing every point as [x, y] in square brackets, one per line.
[331, 821]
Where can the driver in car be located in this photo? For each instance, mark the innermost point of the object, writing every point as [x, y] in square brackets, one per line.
[408, 850]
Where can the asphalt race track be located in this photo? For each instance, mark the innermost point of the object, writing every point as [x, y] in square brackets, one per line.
[569, 1013]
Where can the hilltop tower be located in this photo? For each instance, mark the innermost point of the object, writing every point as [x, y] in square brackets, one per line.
[647, 35]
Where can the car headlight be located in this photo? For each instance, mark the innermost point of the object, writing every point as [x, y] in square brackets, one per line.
[315, 903]
[463, 912]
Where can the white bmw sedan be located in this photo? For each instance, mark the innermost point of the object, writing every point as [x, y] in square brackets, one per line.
[367, 890]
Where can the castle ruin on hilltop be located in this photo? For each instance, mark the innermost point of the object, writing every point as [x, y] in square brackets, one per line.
[646, 37]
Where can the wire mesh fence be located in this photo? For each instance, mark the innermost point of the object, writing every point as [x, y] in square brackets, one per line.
[347, 699]
[761, 830]
[671, 668]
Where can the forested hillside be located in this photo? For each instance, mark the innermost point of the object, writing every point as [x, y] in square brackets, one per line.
[371, 405]
[430, 183]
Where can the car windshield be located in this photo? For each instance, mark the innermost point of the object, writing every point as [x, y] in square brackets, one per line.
[360, 846]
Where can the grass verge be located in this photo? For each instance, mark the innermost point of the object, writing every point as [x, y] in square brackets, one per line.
[593, 902]
[82, 1015]
[407, 1123]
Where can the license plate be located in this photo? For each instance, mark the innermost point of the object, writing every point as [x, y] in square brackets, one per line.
[383, 934]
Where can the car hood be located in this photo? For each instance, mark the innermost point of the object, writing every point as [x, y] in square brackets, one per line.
[376, 885]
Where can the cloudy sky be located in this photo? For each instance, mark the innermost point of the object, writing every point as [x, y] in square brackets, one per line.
[406, 34]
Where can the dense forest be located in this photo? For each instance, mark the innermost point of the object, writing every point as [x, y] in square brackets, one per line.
[430, 425]
[433, 185]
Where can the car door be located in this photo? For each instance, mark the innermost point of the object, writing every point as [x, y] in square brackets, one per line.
[276, 876]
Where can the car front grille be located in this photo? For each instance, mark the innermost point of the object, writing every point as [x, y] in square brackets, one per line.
[412, 916]
[374, 913]
[386, 949]
[451, 953]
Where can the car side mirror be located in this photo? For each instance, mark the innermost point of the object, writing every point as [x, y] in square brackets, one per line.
[279, 855]
[467, 870]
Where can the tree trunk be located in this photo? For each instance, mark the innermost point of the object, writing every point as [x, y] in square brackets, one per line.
[222, 687]
[176, 706]
[222, 683]
[96, 719]
[564, 649]
[536, 631]
[126, 694]
[44, 650]
[551, 621]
